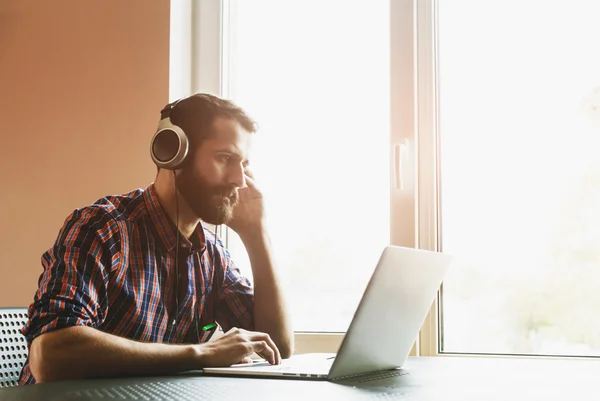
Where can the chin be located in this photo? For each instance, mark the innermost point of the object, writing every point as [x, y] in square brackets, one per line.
[219, 217]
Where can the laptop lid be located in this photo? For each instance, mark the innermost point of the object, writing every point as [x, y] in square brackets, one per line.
[391, 312]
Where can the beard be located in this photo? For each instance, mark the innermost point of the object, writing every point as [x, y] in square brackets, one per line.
[214, 204]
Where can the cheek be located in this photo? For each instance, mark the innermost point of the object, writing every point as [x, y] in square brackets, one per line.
[211, 173]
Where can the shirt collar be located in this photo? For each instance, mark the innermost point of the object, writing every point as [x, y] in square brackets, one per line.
[166, 228]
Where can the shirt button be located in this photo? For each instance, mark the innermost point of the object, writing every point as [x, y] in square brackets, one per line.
[173, 322]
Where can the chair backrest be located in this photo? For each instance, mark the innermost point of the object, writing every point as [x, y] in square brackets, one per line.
[13, 346]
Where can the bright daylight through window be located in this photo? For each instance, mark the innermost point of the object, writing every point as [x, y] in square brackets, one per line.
[519, 85]
[315, 75]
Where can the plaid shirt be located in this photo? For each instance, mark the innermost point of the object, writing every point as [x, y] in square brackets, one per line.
[113, 268]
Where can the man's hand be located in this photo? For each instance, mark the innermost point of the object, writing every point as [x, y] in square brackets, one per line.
[236, 345]
[248, 214]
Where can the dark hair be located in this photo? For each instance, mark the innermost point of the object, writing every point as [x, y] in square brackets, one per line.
[196, 114]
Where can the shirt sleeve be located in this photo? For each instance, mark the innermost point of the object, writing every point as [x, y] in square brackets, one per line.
[72, 290]
[235, 307]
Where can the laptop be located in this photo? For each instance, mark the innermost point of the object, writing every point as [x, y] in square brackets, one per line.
[385, 325]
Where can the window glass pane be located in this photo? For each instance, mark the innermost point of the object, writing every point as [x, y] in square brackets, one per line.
[315, 75]
[520, 179]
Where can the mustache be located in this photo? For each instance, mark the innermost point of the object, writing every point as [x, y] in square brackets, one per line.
[228, 192]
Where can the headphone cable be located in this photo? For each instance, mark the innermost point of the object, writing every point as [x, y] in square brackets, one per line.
[196, 317]
[176, 252]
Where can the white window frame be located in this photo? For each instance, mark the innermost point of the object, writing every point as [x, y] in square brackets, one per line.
[197, 63]
[426, 45]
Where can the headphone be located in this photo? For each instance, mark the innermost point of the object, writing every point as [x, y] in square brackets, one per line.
[169, 146]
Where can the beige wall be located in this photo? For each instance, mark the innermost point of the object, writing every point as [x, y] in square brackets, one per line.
[81, 87]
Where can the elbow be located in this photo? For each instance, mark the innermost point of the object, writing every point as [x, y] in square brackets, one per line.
[286, 352]
[43, 361]
[39, 360]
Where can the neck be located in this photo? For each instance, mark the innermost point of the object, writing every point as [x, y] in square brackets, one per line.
[174, 204]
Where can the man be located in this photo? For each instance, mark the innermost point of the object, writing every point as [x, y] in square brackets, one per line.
[124, 292]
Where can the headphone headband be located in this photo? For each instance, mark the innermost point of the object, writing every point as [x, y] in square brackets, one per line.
[166, 111]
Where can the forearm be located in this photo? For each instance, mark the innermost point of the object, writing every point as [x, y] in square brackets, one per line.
[270, 311]
[83, 352]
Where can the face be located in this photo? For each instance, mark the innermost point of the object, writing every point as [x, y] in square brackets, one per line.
[211, 181]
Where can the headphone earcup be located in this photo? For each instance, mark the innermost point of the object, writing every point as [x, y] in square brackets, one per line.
[169, 146]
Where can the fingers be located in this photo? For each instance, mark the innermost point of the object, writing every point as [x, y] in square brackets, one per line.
[248, 172]
[252, 190]
[268, 350]
[246, 359]
[250, 179]
[275, 350]
[263, 349]
[250, 182]
[258, 342]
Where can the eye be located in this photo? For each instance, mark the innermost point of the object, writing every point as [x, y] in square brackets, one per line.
[224, 158]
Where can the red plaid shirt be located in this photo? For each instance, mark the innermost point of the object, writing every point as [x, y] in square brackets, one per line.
[112, 267]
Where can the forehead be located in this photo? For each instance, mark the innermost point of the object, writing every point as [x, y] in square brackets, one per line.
[228, 135]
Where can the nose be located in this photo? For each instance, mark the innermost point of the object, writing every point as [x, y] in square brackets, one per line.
[237, 177]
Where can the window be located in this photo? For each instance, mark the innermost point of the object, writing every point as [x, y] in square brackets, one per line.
[315, 75]
[519, 102]
[464, 126]
[336, 165]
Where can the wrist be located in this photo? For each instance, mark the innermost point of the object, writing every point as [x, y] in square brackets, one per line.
[196, 356]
